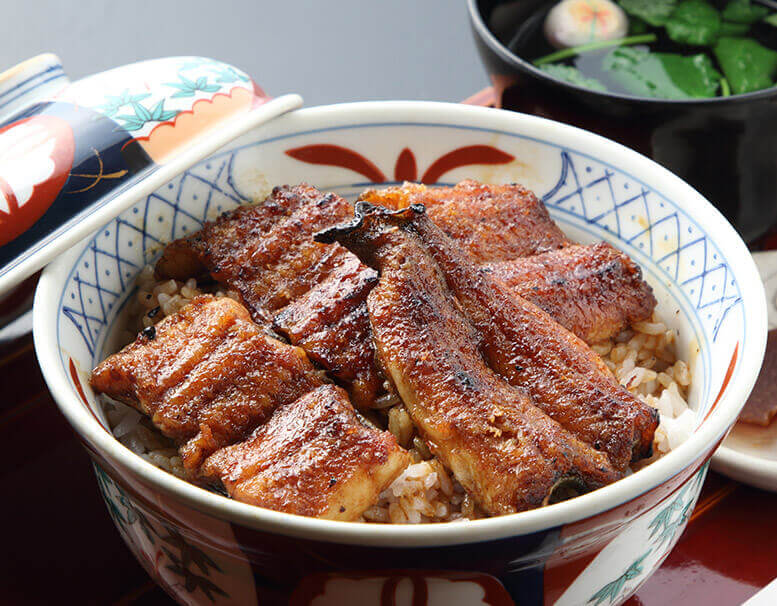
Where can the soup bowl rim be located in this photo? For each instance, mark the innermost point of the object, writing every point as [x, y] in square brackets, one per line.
[495, 45]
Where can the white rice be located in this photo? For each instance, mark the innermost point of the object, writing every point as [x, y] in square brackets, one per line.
[136, 433]
[424, 492]
[643, 358]
[156, 299]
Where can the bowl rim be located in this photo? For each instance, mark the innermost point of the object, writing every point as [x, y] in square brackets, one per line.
[586, 506]
[487, 36]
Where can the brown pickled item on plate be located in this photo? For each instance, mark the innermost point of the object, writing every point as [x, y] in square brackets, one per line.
[761, 406]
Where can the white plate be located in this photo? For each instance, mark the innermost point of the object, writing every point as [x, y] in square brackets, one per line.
[749, 453]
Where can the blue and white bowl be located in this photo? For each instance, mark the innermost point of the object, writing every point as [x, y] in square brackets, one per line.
[597, 548]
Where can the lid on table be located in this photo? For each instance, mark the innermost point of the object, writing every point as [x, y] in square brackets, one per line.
[73, 155]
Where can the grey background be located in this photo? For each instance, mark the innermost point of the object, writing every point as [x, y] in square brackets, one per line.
[326, 50]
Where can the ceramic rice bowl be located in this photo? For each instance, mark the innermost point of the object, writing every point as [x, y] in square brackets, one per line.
[597, 548]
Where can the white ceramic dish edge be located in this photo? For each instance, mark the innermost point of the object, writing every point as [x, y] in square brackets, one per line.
[748, 467]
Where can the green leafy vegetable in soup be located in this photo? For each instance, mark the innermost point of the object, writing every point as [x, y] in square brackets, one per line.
[694, 22]
[748, 66]
[573, 75]
[672, 49]
[663, 75]
[744, 11]
[654, 12]
[733, 30]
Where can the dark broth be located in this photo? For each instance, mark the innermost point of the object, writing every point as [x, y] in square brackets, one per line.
[528, 41]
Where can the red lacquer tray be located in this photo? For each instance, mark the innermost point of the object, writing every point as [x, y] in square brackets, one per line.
[61, 547]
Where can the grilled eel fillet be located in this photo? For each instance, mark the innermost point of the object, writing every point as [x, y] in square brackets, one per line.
[313, 458]
[594, 291]
[315, 294]
[519, 341]
[491, 222]
[207, 376]
[252, 413]
[503, 449]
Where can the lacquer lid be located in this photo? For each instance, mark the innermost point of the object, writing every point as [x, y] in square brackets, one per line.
[75, 154]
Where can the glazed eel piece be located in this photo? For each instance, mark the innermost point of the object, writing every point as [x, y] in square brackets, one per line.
[516, 339]
[311, 293]
[492, 223]
[509, 454]
[313, 458]
[206, 376]
[315, 295]
[594, 291]
[252, 413]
